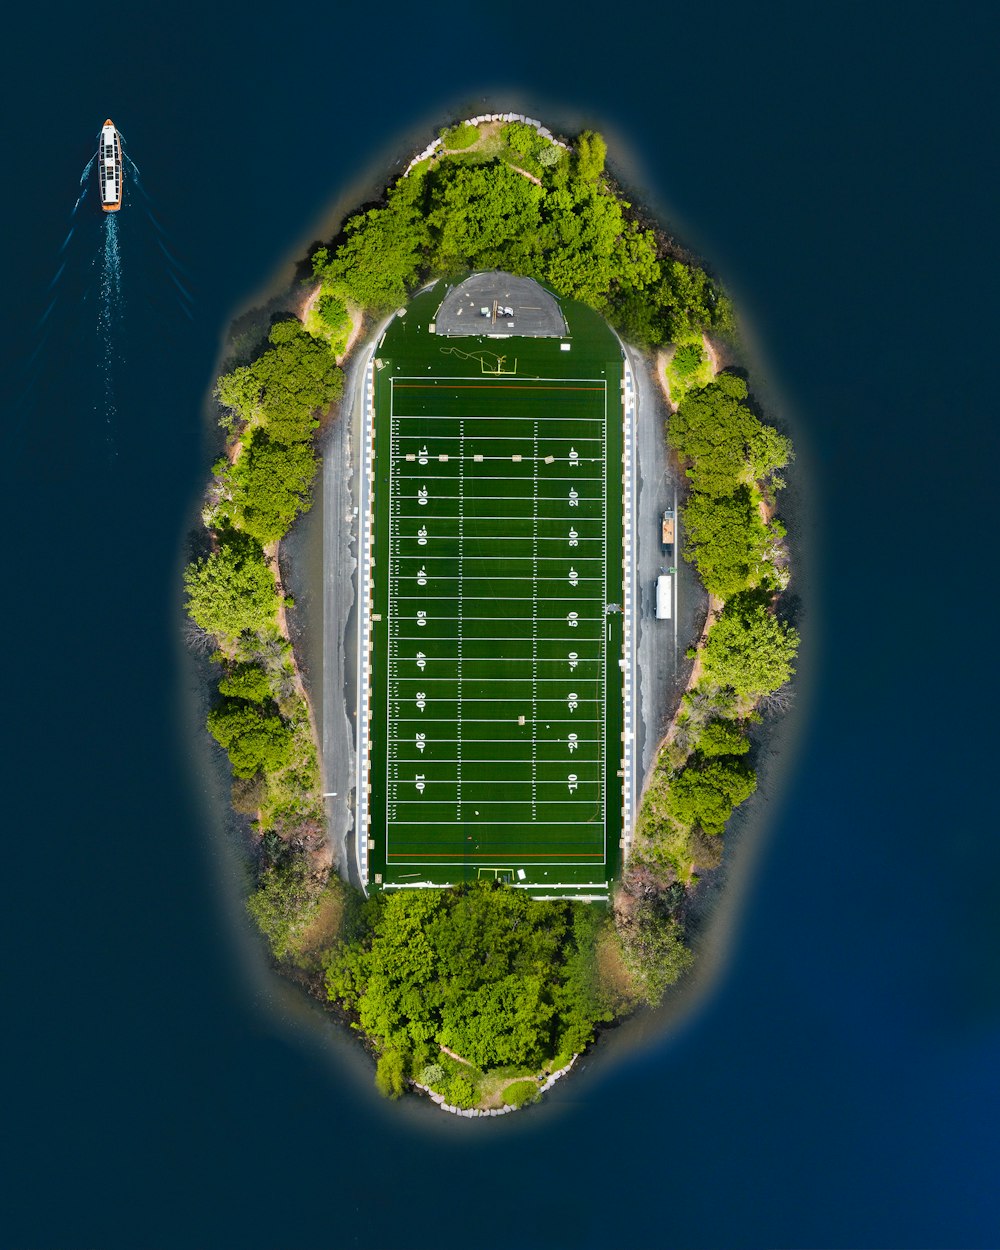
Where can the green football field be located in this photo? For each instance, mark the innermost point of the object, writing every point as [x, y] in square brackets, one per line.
[497, 631]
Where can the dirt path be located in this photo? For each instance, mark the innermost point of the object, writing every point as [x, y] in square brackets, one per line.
[454, 1055]
[662, 360]
[712, 352]
[487, 131]
[309, 303]
[357, 317]
[524, 173]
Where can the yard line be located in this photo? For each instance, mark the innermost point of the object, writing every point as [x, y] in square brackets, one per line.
[506, 680]
[493, 420]
[491, 720]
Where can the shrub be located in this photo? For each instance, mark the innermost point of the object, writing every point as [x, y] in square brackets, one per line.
[521, 1093]
[432, 1075]
[232, 591]
[464, 135]
[282, 903]
[722, 738]
[246, 681]
[687, 360]
[522, 139]
[460, 1091]
[390, 1078]
[253, 740]
[333, 320]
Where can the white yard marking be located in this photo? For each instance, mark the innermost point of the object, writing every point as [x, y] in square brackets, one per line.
[449, 501]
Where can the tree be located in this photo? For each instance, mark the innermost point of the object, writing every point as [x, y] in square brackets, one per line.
[282, 904]
[390, 1074]
[461, 1091]
[270, 486]
[239, 391]
[689, 302]
[333, 320]
[704, 794]
[232, 591]
[721, 737]
[653, 947]
[688, 359]
[382, 252]
[727, 540]
[432, 1075]
[725, 442]
[522, 139]
[591, 151]
[293, 379]
[504, 1022]
[246, 681]
[253, 740]
[749, 649]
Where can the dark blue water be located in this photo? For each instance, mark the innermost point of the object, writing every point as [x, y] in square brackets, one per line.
[838, 1084]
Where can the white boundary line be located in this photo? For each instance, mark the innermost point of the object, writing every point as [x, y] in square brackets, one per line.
[629, 541]
[362, 816]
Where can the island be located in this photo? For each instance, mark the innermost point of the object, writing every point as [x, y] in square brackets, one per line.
[568, 613]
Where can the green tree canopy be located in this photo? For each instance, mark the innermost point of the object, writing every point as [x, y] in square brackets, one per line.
[572, 232]
[704, 794]
[382, 253]
[505, 978]
[720, 737]
[246, 681]
[727, 540]
[725, 442]
[591, 151]
[502, 1022]
[270, 486]
[254, 741]
[483, 217]
[288, 384]
[749, 649]
[232, 591]
[390, 1074]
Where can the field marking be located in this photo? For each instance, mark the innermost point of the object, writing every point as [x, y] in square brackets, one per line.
[501, 855]
[458, 666]
[428, 416]
[504, 679]
[482, 386]
[398, 500]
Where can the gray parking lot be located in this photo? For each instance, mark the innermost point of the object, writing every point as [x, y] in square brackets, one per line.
[498, 304]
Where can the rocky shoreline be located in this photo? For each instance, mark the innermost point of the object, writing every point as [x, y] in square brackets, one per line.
[472, 1113]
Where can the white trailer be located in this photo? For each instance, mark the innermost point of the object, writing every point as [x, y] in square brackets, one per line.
[664, 597]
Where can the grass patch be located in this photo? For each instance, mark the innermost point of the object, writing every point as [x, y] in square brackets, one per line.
[464, 135]
[521, 1093]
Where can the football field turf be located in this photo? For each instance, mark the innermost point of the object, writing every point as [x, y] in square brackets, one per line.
[496, 606]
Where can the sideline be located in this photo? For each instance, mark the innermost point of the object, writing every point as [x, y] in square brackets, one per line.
[629, 590]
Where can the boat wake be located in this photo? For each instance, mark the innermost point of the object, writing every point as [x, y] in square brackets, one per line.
[110, 310]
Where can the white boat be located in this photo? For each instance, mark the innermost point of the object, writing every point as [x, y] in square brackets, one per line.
[109, 168]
